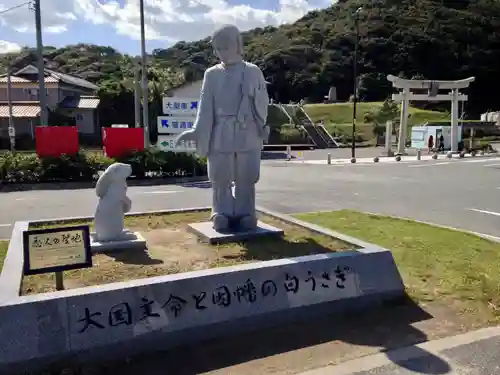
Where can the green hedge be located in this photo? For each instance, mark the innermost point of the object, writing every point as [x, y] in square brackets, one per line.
[21, 167]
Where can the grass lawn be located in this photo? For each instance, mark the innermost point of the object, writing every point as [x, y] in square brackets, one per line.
[339, 115]
[172, 248]
[436, 264]
[3, 251]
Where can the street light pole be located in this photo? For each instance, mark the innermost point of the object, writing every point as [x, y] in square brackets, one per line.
[137, 98]
[40, 65]
[355, 73]
[145, 91]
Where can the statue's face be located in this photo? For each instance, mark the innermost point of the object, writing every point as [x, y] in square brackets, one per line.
[226, 44]
[226, 55]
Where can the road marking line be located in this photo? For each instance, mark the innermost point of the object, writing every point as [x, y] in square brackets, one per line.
[5, 225]
[485, 212]
[480, 160]
[492, 165]
[160, 192]
[428, 165]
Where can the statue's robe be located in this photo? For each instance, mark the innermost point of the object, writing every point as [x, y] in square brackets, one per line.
[230, 131]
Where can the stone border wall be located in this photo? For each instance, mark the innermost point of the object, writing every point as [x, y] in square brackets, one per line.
[159, 312]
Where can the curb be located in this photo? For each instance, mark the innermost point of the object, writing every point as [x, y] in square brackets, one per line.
[71, 219]
[7, 188]
[407, 159]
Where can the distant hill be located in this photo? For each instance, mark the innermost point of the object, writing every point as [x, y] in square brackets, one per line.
[433, 39]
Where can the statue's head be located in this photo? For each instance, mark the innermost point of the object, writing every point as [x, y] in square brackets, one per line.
[116, 173]
[228, 44]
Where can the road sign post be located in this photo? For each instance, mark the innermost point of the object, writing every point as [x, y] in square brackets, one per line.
[179, 116]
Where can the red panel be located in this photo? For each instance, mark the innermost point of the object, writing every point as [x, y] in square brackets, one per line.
[119, 141]
[53, 141]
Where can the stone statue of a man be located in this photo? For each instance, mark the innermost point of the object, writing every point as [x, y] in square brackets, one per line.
[230, 129]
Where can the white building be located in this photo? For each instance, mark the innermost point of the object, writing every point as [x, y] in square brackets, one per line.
[491, 116]
[187, 90]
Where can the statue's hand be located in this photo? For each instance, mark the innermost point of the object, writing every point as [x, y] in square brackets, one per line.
[188, 135]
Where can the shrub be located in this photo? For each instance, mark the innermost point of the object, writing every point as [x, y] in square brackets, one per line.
[20, 167]
[160, 163]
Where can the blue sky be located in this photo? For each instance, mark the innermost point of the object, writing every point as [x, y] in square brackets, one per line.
[116, 22]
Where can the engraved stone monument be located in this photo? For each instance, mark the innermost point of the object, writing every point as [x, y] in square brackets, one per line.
[111, 189]
[229, 130]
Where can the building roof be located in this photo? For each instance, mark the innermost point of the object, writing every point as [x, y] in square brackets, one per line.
[71, 80]
[50, 76]
[24, 110]
[15, 79]
[81, 102]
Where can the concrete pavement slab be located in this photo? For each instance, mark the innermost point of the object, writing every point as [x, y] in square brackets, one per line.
[474, 353]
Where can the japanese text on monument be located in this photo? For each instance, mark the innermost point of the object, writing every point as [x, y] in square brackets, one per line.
[221, 297]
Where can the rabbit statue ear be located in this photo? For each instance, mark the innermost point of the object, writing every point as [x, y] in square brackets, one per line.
[105, 180]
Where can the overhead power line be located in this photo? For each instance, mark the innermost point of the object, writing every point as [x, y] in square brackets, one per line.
[15, 7]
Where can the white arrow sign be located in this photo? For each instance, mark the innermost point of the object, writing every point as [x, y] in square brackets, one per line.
[180, 106]
[174, 125]
[167, 143]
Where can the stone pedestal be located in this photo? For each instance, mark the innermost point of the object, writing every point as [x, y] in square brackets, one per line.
[207, 233]
[133, 241]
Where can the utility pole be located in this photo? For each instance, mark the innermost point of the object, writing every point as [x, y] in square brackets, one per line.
[137, 98]
[40, 65]
[145, 91]
[12, 129]
[355, 74]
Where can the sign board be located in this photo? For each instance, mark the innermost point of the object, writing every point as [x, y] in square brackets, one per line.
[121, 141]
[119, 126]
[56, 249]
[53, 141]
[180, 106]
[174, 124]
[12, 131]
[167, 143]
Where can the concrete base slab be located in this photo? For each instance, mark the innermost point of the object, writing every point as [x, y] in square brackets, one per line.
[207, 233]
[103, 320]
[136, 241]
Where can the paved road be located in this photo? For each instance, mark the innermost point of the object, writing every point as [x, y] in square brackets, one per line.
[443, 192]
[460, 193]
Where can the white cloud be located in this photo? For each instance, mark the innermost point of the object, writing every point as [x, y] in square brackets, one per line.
[56, 14]
[8, 47]
[56, 29]
[168, 20]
